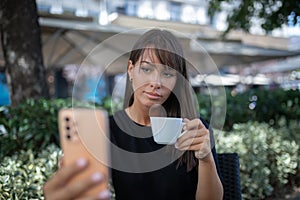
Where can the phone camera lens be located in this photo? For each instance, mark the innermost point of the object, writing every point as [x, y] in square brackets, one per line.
[67, 119]
[68, 136]
[68, 127]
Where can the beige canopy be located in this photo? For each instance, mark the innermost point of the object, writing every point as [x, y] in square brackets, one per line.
[72, 42]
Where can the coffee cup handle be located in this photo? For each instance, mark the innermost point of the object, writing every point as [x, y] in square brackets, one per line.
[181, 134]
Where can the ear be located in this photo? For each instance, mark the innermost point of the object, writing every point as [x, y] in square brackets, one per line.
[130, 69]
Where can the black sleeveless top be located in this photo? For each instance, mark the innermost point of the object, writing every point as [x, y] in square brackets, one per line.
[143, 169]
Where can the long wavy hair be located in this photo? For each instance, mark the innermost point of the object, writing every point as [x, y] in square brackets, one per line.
[167, 48]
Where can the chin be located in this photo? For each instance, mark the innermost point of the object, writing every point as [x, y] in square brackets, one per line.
[151, 103]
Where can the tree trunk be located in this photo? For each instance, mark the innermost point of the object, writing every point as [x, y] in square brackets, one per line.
[21, 43]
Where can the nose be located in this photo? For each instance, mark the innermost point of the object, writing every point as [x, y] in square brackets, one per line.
[156, 81]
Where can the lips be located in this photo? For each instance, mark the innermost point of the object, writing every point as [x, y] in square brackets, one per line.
[153, 95]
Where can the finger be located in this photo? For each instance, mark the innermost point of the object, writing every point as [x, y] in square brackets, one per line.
[61, 177]
[187, 144]
[192, 134]
[103, 195]
[193, 124]
[202, 149]
[192, 138]
[75, 189]
[60, 162]
[203, 145]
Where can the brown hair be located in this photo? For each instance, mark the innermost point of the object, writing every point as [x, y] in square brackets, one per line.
[169, 51]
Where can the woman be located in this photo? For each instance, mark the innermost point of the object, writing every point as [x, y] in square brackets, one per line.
[157, 75]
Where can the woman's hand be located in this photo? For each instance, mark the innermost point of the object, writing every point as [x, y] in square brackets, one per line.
[58, 186]
[195, 139]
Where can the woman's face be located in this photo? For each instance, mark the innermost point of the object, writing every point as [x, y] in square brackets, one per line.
[152, 82]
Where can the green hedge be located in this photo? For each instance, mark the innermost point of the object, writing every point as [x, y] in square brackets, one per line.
[23, 174]
[269, 158]
[276, 107]
[32, 124]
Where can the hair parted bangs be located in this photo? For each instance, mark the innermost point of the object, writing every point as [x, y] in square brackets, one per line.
[164, 46]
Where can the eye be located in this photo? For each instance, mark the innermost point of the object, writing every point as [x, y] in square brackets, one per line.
[168, 73]
[146, 69]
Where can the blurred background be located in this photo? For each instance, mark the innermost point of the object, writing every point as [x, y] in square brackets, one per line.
[250, 49]
[248, 55]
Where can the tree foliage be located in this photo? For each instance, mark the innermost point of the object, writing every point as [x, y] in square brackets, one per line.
[271, 14]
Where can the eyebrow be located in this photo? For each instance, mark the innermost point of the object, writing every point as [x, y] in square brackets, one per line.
[147, 62]
[154, 65]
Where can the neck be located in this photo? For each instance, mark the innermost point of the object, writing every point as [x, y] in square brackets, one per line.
[138, 115]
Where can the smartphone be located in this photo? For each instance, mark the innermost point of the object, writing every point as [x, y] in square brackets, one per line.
[84, 133]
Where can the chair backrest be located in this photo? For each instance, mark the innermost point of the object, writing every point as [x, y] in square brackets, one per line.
[230, 171]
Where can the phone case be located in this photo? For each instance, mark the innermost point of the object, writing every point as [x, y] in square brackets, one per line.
[84, 134]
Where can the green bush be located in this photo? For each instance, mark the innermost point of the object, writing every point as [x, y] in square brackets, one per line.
[32, 124]
[268, 157]
[23, 174]
[276, 107]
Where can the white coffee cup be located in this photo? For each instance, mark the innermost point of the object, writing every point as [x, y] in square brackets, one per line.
[166, 130]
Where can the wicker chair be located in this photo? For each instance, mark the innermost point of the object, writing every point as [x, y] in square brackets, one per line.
[230, 172]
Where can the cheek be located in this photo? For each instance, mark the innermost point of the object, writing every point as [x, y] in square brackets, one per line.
[167, 91]
[138, 85]
[170, 84]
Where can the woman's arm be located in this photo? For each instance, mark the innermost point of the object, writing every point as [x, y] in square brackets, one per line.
[209, 184]
[197, 138]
